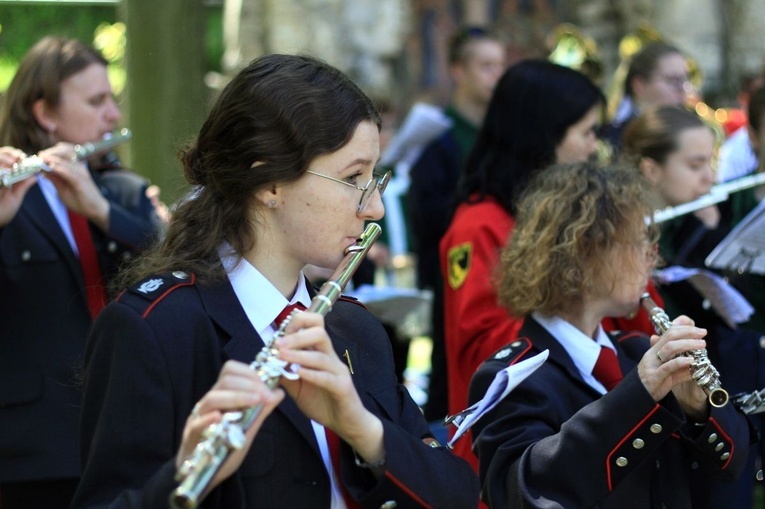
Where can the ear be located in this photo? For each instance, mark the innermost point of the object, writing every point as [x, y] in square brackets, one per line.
[267, 197]
[651, 170]
[43, 115]
[638, 87]
[457, 72]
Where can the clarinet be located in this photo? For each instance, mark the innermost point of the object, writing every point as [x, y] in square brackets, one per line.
[32, 165]
[220, 439]
[702, 371]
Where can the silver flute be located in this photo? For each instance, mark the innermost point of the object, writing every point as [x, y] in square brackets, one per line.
[703, 372]
[228, 435]
[32, 165]
[717, 194]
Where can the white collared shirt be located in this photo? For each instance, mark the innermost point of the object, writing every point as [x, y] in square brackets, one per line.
[262, 303]
[582, 349]
[58, 209]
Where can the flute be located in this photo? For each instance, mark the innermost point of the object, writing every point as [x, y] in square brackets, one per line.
[220, 439]
[32, 165]
[703, 372]
[717, 194]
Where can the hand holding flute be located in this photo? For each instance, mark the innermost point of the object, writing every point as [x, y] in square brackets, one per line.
[62, 163]
[324, 391]
[238, 386]
[669, 347]
[665, 368]
[11, 197]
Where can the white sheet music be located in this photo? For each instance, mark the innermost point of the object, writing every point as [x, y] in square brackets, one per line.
[743, 250]
[504, 382]
[423, 124]
[727, 302]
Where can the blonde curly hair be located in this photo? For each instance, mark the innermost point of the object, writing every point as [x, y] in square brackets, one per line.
[570, 220]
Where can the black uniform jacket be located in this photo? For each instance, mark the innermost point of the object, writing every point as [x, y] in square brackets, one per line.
[157, 350]
[555, 442]
[44, 323]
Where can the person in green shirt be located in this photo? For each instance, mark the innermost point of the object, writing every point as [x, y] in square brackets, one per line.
[477, 59]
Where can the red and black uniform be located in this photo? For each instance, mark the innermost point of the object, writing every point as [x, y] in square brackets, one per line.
[158, 349]
[475, 324]
[554, 441]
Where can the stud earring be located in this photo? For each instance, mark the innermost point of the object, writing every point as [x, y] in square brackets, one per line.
[271, 204]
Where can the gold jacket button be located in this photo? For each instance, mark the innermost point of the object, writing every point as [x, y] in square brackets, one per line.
[656, 429]
[638, 443]
[712, 438]
[390, 504]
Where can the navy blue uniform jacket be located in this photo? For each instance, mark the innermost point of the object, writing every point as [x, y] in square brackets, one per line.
[44, 322]
[153, 355]
[555, 442]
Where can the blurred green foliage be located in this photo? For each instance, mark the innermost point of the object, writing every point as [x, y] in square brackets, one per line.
[23, 24]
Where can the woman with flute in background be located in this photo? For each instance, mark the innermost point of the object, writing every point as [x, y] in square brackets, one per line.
[62, 237]
[610, 420]
[674, 149]
[283, 170]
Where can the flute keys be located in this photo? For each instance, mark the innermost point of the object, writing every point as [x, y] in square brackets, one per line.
[235, 437]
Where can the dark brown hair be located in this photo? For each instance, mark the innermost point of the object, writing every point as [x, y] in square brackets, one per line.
[281, 111]
[459, 44]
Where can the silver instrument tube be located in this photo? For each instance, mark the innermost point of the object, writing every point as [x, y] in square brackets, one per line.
[109, 141]
[220, 439]
[703, 372]
[32, 165]
[22, 170]
[717, 194]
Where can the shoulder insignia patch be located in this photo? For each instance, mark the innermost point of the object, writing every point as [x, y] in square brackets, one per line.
[514, 351]
[150, 285]
[158, 285]
[458, 259]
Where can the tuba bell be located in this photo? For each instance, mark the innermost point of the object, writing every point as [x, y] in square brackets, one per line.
[629, 46]
[570, 47]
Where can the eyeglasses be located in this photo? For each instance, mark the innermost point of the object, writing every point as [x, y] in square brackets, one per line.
[379, 182]
[673, 81]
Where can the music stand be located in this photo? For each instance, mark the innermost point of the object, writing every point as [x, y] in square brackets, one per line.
[743, 249]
